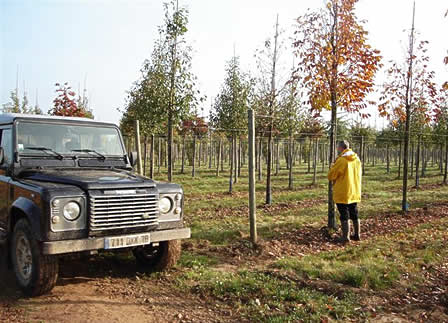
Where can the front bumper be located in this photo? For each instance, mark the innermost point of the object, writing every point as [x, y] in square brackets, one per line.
[70, 246]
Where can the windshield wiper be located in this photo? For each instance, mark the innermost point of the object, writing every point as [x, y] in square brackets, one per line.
[90, 151]
[46, 150]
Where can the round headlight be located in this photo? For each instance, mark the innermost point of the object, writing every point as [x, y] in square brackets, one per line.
[71, 211]
[165, 204]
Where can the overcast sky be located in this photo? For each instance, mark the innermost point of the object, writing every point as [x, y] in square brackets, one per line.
[103, 43]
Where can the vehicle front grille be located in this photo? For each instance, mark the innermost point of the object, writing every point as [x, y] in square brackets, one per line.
[112, 212]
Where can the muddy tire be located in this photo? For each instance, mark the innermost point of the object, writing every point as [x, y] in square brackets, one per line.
[159, 258]
[36, 274]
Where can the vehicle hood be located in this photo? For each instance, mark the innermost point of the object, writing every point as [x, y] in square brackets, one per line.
[88, 179]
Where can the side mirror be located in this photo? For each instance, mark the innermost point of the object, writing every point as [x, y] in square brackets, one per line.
[132, 158]
[2, 155]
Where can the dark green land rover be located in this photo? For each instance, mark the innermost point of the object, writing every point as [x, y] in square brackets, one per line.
[67, 186]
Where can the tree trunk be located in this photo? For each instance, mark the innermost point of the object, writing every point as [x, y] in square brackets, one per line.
[400, 154]
[165, 157]
[210, 154]
[193, 168]
[404, 202]
[363, 155]
[260, 153]
[182, 168]
[218, 156]
[222, 154]
[445, 176]
[441, 159]
[269, 169]
[310, 145]
[199, 154]
[277, 158]
[417, 164]
[333, 134]
[424, 160]
[387, 159]
[170, 146]
[231, 167]
[290, 156]
[145, 154]
[236, 161]
[151, 156]
[316, 151]
[240, 159]
[159, 157]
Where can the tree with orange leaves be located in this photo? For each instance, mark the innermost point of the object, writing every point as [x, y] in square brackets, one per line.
[409, 91]
[336, 65]
[65, 103]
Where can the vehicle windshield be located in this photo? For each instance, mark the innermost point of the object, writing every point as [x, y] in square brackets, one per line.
[45, 139]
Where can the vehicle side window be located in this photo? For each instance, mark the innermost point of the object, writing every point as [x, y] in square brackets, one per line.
[6, 143]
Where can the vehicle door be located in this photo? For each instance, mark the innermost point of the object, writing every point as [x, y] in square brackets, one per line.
[7, 145]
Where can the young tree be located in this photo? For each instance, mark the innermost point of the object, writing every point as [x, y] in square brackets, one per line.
[312, 129]
[441, 127]
[83, 104]
[291, 120]
[36, 109]
[409, 90]
[336, 65]
[269, 88]
[362, 134]
[25, 108]
[230, 106]
[14, 105]
[182, 95]
[166, 93]
[18, 106]
[145, 103]
[65, 103]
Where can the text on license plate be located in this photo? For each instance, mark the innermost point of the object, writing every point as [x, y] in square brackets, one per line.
[127, 241]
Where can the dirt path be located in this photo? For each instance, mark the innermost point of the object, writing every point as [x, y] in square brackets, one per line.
[104, 290]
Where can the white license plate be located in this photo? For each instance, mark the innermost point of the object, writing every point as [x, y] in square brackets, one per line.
[127, 241]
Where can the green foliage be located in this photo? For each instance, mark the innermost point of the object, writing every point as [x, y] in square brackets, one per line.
[166, 93]
[83, 104]
[14, 105]
[342, 128]
[291, 110]
[230, 106]
[20, 106]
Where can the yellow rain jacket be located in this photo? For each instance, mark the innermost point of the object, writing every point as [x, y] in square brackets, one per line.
[346, 174]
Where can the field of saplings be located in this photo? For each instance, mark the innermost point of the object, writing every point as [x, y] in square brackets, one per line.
[297, 271]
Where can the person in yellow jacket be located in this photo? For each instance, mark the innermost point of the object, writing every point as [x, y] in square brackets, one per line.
[346, 175]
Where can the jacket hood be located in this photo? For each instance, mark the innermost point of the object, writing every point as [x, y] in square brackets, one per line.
[349, 154]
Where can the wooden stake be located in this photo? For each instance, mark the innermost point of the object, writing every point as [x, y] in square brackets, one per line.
[251, 158]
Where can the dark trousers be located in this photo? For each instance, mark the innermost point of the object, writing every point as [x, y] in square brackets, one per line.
[348, 210]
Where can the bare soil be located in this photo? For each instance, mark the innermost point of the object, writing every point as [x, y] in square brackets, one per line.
[102, 289]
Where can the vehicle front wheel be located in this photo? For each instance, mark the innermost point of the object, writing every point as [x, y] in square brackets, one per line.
[36, 274]
[158, 257]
